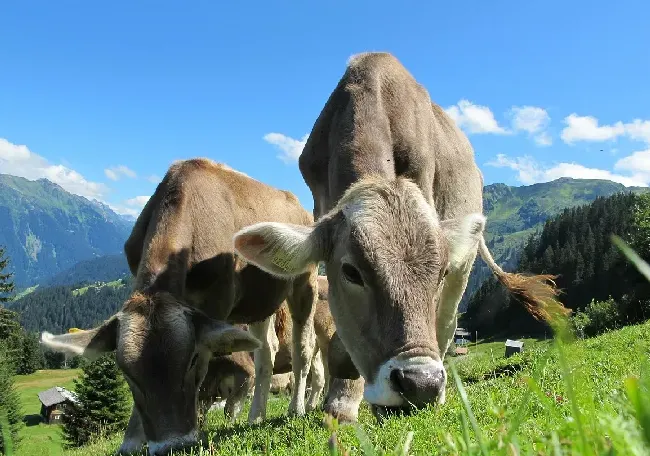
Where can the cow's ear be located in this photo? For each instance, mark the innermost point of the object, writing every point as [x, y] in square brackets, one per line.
[281, 249]
[221, 338]
[463, 235]
[90, 344]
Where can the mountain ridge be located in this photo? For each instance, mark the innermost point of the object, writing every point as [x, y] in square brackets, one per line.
[47, 229]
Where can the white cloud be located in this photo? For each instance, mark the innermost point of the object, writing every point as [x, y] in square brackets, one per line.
[529, 118]
[543, 139]
[116, 172]
[138, 201]
[474, 118]
[154, 179]
[291, 148]
[18, 160]
[530, 171]
[534, 121]
[122, 210]
[587, 128]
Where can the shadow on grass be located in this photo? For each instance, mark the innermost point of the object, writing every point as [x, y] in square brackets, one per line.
[32, 420]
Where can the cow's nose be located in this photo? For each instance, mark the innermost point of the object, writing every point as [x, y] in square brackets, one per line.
[419, 386]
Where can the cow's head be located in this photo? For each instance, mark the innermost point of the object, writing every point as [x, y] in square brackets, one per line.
[230, 377]
[386, 256]
[163, 348]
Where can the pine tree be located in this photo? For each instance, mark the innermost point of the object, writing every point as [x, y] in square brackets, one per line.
[6, 284]
[103, 403]
[31, 358]
[10, 412]
[11, 333]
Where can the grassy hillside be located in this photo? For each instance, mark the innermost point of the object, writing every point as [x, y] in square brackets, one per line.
[39, 439]
[550, 408]
[102, 269]
[47, 230]
[514, 213]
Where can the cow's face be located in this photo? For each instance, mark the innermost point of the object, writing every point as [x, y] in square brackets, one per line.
[163, 349]
[386, 257]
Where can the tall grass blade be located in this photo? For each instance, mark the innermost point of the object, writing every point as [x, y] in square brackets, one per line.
[468, 409]
[573, 399]
[641, 265]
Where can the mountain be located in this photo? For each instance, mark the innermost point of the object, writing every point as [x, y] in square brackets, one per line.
[102, 269]
[47, 230]
[514, 213]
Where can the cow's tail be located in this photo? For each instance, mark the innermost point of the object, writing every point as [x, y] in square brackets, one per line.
[538, 293]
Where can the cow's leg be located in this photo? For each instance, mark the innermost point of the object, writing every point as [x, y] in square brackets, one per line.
[345, 390]
[134, 438]
[447, 311]
[343, 399]
[302, 304]
[317, 381]
[264, 360]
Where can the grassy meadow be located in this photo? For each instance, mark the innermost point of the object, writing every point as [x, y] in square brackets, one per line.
[40, 439]
[582, 397]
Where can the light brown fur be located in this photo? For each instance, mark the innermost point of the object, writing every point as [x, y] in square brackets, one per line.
[398, 203]
[187, 280]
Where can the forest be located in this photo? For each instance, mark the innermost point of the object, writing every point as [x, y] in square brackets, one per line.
[593, 275]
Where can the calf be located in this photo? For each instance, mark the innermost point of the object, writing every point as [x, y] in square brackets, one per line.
[398, 203]
[187, 280]
[229, 381]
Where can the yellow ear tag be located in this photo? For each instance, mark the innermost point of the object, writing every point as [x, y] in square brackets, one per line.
[282, 260]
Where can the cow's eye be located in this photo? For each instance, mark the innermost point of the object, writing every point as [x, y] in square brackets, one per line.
[351, 274]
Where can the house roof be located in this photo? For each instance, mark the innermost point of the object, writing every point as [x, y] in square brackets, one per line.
[514, 343]
[56, 395]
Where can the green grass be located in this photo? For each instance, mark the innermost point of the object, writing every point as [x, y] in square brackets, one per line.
[553, 399]
[25, 292]
[83, 290]
[40, 439]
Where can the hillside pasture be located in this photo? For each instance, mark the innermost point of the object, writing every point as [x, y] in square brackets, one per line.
[552, 399]
[38, 438]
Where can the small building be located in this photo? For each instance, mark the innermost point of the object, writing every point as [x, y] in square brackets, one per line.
[513, 346]
[462, 336]
[461, 351]
[54, 402]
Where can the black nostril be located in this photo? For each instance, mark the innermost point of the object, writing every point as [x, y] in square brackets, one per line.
[418, 387]
[403, 382]
[396, 378]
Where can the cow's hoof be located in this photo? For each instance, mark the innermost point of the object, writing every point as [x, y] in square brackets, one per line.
[344, 413]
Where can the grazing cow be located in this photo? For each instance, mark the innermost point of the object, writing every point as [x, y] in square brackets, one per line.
[398, 209]
[187, 280]
[231, 378]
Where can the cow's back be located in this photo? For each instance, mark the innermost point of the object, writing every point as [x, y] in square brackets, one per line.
[189, 223]
[379, 120]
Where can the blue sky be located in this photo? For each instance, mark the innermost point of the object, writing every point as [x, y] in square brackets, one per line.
[101, 97]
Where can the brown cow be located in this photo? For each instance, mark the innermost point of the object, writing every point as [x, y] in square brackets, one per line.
[187, 280]
[231, 378]
[398, 203]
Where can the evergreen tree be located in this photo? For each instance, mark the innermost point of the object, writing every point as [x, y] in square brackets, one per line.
[31, 358]
[11, 333]
[103, 403]
[6, 284]
[10, 412]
